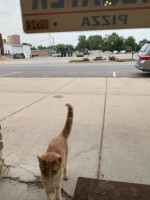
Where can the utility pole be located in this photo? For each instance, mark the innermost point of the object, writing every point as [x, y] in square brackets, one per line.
[53, 42]
[49, 38]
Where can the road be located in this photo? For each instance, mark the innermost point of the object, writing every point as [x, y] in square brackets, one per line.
[103, 69]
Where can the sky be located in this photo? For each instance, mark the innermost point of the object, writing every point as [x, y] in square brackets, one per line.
[11, 23]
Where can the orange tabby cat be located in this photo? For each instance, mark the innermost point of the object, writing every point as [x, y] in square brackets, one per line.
[53, 164]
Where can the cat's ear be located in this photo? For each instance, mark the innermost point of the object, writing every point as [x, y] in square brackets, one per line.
[40, 159]
[58, 160]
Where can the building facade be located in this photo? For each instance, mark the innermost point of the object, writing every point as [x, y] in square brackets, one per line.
[13, 39]
[43, 53]
[12, 49]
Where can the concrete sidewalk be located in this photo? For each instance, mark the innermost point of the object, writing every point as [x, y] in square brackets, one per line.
[110, 137]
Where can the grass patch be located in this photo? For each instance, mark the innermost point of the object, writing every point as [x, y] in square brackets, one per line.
[125, 60]
[77, 61]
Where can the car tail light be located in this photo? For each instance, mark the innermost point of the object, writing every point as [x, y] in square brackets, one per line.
[145, 57]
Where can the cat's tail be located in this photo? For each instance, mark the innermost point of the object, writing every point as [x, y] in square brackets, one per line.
[68, 125]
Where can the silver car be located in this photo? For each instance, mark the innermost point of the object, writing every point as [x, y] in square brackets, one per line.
[143, 60]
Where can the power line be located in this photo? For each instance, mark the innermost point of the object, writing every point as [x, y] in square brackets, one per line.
[40, 41]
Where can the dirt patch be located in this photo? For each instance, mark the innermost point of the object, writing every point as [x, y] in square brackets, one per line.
[6, 58]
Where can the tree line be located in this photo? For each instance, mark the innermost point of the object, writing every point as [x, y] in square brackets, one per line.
[112, 42]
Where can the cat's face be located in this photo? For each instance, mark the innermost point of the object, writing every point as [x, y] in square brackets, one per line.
[50, 164]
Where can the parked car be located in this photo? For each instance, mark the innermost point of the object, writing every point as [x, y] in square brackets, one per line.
[56, 55]
[143, 60]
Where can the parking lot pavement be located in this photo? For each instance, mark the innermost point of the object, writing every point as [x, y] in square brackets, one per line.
[110, 136]
[60, 60]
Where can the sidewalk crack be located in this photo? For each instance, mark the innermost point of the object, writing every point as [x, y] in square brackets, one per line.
[102, 133]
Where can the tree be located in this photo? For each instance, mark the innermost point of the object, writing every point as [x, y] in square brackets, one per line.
[40, 47]
[4, 40]
[82, 42]
[59, 47]
[113, 42]
[24, 43]
[141, 43]
[33, 48]
[130, 43]
[95, 42]
[70, 46]
[50, 47]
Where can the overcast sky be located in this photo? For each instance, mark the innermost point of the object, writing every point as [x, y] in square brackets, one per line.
[11, 23]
